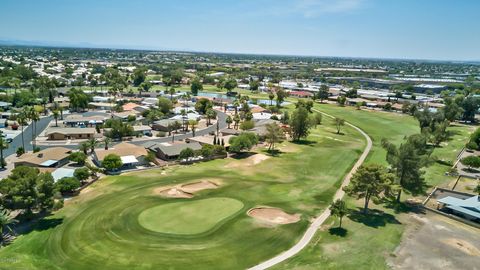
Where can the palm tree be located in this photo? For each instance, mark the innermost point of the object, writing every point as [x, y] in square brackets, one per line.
[84, 147]
[271, 96]
[193, 126]
[3, 145]
[92, 143]
[236, 120]
[236, 104]
[5, 221]
[22, 121]
[56, 114]
[171, 92]
[229, 121]
[106, 142]
[211, 114]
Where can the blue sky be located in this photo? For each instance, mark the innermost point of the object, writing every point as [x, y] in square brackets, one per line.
[419, 29]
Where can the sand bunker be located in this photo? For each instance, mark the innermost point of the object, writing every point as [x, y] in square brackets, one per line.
[250, 161]
[174, 193]
[273, 215]
[198, 186]
[462, 245]
[185, 190]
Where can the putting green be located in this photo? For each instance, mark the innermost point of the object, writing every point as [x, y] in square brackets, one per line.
[191, 217]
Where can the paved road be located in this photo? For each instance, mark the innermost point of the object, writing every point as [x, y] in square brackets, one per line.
[27, 134]
[42, 124]
[307, 237]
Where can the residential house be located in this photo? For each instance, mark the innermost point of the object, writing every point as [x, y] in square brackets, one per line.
[70, 133]
[170, 151]
[49, 157]
[130, 154]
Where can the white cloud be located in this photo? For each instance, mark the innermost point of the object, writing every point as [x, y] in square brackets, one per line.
[313, 8]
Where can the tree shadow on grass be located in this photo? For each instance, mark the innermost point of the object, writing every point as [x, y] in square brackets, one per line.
[373, 218]
[274, 152]
[242, 155]
[38, 225]
[305, 142]
[341, 232]
[404, 207]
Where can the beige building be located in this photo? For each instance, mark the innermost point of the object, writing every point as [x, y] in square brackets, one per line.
[70, 133]
[130, 154]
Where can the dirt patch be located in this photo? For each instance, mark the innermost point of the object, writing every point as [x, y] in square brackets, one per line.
[462, 245]
[185, 190]
[250, 161]
[273, 215]
[432, 241]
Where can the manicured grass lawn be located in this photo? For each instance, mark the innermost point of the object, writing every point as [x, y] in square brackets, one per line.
[368, 240]
[100, 228]
[189, 217]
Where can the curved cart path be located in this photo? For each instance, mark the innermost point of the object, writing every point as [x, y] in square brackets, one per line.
[318, 221]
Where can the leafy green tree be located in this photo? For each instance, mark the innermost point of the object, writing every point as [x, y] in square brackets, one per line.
[112, 162]
[243, 142]
[81, 174]
[165, 105]
[341, 100]
[470, 106]
[67, 184]
[230, 84]
[78, 157]
[322, 94]
[78, 99]
[406, 162]
[254, 84]
[471, 161]
[45, 192]
[300, 123]
[203, 105]
[370, 182]
[274, 135]
[452, 110]
[285, 118]
[196, 86]
[27, 189]
[186, 153]
[118, 129]
[339, 122]
[139, 76]
[339, 209]
[281, 95]
[247, 125]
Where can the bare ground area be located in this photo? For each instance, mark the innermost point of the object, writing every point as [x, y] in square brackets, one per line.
[433, 241]
[273, 215]
[186, 190]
